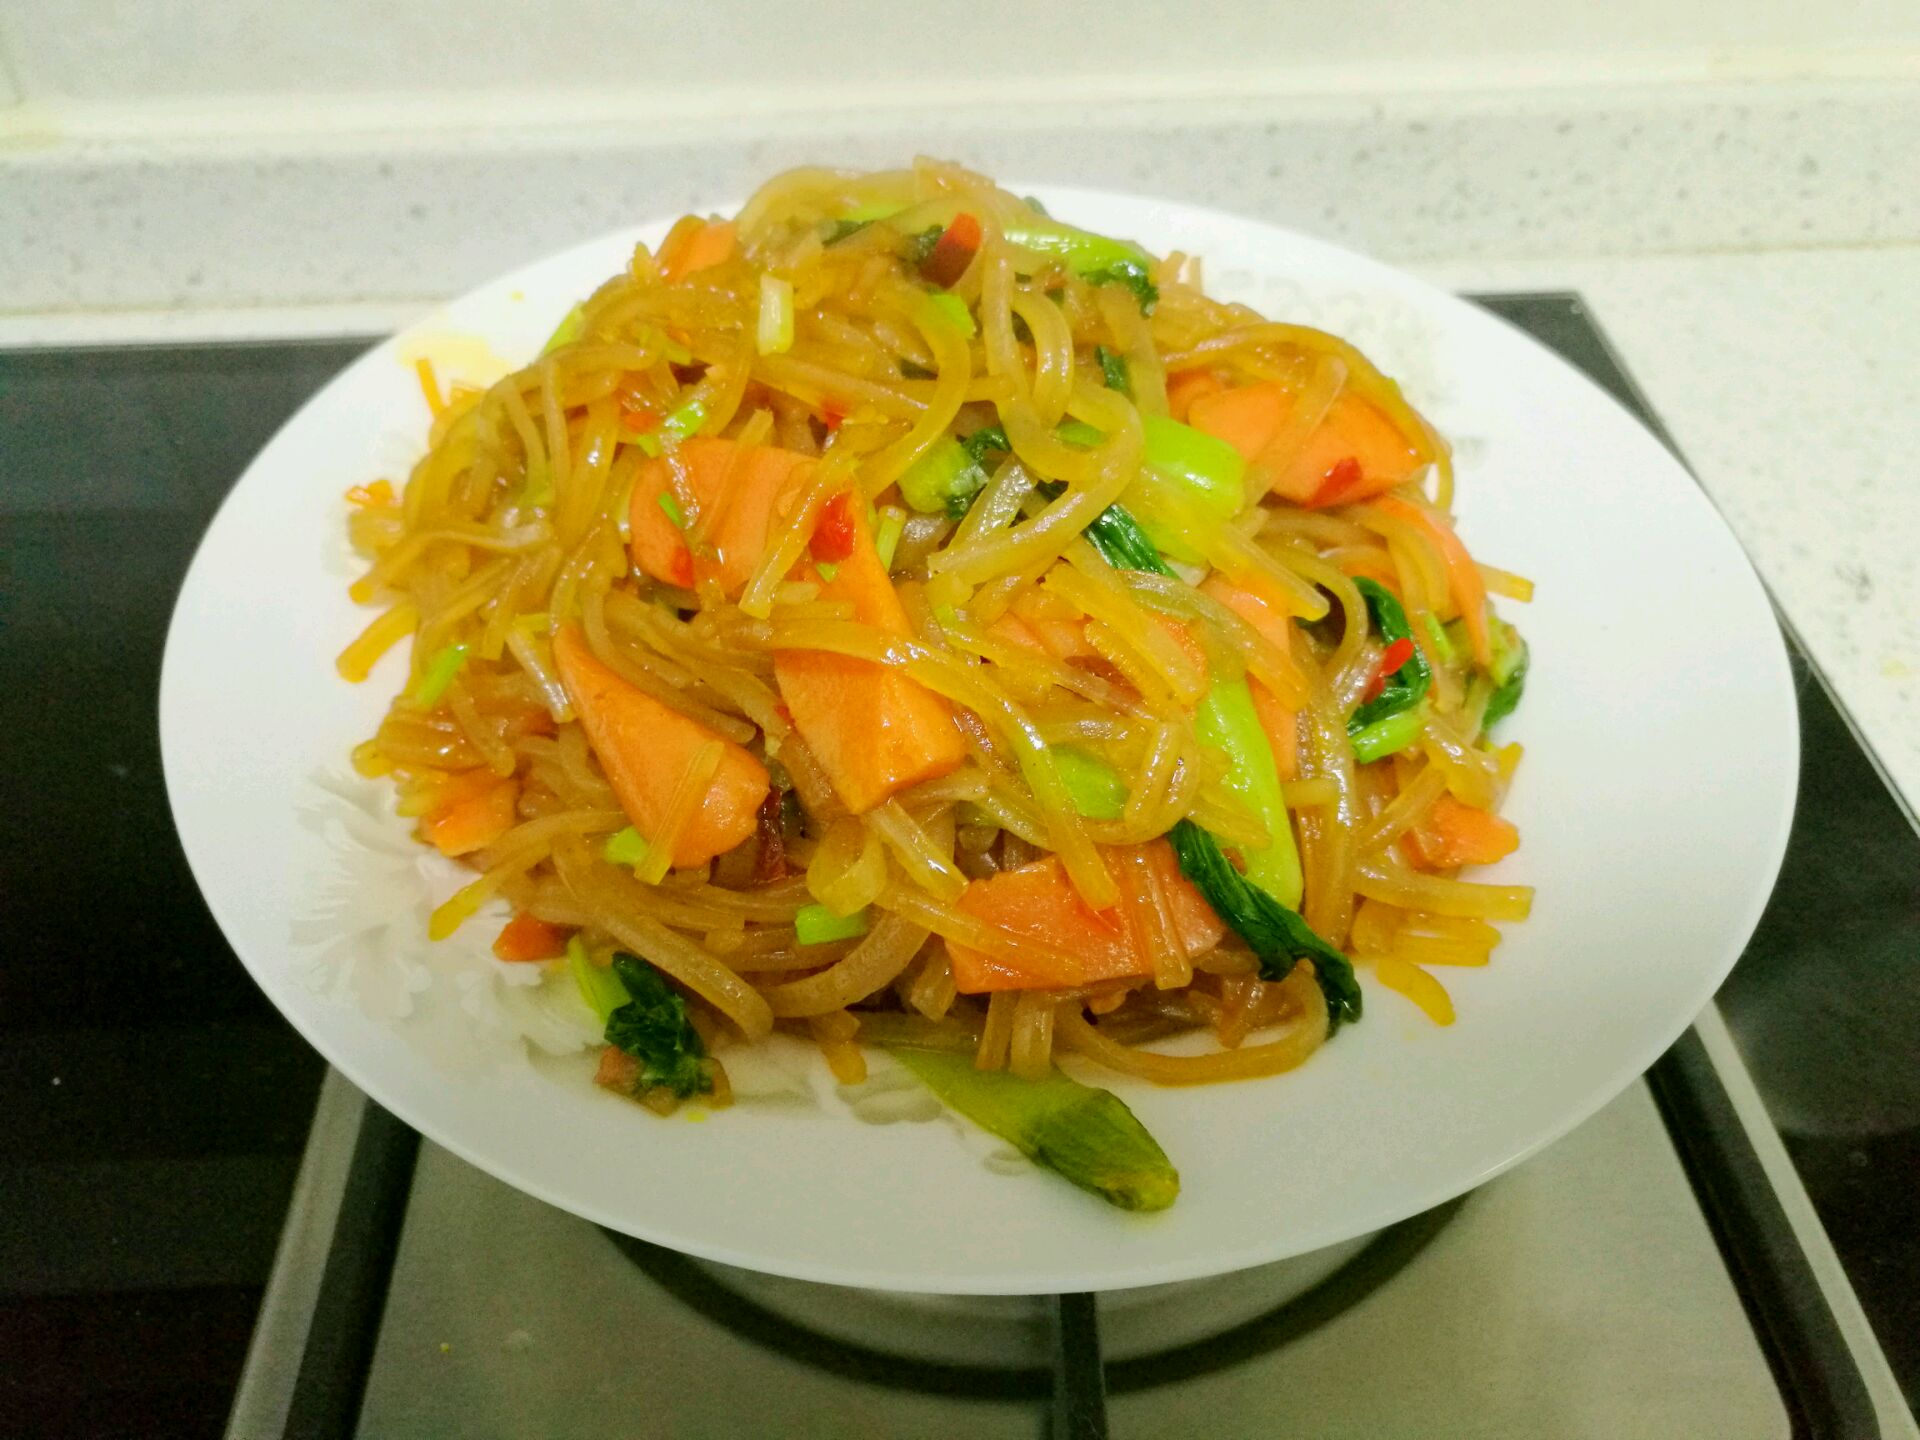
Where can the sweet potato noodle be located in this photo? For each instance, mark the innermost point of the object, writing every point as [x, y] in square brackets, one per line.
[900, 617]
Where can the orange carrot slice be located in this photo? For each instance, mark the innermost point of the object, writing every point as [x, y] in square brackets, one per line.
[703, 247]
[874, 731]
[527, 937]
[741, 491]
[1455, 834]
[477, 812]
[1038, 900]
[646, 747]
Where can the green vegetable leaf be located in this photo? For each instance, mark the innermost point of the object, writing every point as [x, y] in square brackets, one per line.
[948, 475]
[654, 1028]
[1117, 536]
[916, 248]
[982, 443]
[841, 229]
[1081, 1133]
[1276, 935]
[1113, 369]
[1133, 275]
[1510, 660]
[1406, 686]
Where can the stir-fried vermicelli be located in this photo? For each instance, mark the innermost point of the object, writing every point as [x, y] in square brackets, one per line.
[898, 617]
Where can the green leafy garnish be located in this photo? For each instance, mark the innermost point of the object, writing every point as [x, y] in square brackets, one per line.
[944, 480]
[1277, 936]
[916, 248]
[1113, 369]
[1406, 686]
[839, 230]
[1510, 659]
[654, 1028]
[1132, 274]
[1083, 1134]
[985, 442]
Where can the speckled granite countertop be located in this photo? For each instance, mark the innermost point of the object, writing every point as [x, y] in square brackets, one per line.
[1754, 251]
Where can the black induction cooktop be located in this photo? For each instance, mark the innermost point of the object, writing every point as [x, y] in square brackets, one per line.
[156, 1105]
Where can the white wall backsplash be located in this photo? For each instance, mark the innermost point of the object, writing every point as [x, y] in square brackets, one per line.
[407, 215]
[217, 65]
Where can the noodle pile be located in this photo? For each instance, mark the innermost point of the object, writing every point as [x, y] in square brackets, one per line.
[852, 335]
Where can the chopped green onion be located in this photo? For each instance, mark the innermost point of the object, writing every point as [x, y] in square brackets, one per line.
[944, 475]
[1442, 642]
[598, 985]
[816, 924]
[827, 570]
[774, 334]
[1077, 432]
[677, 426]
[438, 675]
[570, 328]
[893, 524]
[674, 350]
[1113, 369]
[624, 847]
[1389, 736]
[672, 507]
[954, 311]
[1095, 790]
[839, 230]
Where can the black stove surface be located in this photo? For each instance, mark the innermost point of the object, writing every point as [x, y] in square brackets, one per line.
[157, 1105]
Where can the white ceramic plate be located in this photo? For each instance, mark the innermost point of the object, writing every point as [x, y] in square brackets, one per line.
[1654, 803]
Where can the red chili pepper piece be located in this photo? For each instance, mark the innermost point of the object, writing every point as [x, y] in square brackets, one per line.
[1342, 476]
[953, 251]
[832, 414]
[1391, 659]
[682, 568]
[833, 536]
